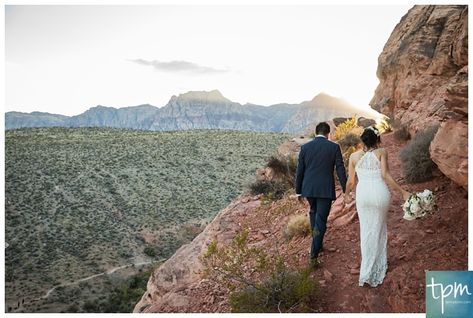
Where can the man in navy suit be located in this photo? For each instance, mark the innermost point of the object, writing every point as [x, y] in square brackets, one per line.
[315, 181]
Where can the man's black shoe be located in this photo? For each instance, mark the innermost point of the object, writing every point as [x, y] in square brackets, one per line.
[314, 263]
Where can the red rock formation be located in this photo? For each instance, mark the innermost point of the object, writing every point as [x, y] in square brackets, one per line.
[448, 150]
[169, 286]
[423, 73]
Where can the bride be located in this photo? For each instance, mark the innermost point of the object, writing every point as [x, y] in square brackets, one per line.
[372, 204]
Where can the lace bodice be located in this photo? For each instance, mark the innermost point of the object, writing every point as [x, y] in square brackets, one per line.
[368, 167]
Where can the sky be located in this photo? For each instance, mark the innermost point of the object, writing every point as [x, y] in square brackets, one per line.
[65, 59]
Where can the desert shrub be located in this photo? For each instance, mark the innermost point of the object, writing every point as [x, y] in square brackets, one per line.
[346, 156]
[150, 251]
[385, 126]
[124, 297]
[91, 306]
[74, 308]
[298, 225]
[9, 276]
[417, 166]
[349, 140]
[271, 287]
[270, 188]
[348, 145]
[283, 291]
[283, 167]
[278, 165]
[402, 133]
[345, 128]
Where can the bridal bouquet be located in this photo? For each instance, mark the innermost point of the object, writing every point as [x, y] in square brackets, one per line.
[418, 205]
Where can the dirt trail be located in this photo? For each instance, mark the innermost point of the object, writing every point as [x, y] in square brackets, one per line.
[110, 271]
[438, 242]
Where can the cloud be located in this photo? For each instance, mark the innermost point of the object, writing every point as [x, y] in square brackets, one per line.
[180, 66]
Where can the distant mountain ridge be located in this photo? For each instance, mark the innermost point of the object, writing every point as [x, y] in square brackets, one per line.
[199, 110]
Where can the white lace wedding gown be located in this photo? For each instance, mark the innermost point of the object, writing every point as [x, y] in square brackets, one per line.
[372, 204]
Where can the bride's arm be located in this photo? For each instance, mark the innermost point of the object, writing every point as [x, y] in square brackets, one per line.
[388, 178]
[351, 178]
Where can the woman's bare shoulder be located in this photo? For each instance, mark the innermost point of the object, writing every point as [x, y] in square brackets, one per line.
[382, 150]
[356, 154]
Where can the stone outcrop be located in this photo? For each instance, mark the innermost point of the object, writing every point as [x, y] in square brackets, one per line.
[361, 121]
[366, 122]
[448, 150]
[423, 73]
[293, 146]
[168, 286]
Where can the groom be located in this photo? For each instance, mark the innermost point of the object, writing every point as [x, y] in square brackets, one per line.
[315, 181]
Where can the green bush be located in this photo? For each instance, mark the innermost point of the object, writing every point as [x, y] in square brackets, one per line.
[269, 188]
[91, 306]
[284, 170]
[283, 291]
[272, 287]
[417, 166]
[150, 251]
[72, 308]
[283, 167]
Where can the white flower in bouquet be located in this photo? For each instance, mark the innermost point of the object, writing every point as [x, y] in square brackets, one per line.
[415, 205]
[418, 205]
[427, 200]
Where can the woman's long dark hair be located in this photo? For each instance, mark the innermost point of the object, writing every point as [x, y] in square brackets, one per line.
[369, 138]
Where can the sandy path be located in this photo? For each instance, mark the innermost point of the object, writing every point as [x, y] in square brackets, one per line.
[111, 271]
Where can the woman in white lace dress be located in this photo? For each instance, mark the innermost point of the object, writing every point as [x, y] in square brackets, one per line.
[372, 204]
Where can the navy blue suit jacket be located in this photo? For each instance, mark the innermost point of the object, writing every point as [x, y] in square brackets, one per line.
[314, 175]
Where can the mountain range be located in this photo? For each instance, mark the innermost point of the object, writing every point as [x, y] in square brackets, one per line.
[200, 110]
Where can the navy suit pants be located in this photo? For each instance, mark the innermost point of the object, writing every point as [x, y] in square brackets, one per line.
[318, 214]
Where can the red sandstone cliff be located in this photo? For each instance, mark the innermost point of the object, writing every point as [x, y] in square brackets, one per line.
[423, 73]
